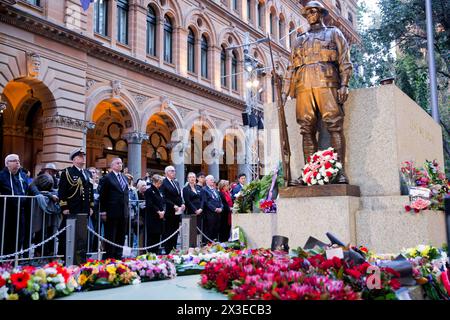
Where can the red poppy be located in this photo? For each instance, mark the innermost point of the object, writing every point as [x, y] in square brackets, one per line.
[19, 280]
[395, 284]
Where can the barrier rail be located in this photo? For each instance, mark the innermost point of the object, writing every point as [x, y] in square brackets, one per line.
[23, 220]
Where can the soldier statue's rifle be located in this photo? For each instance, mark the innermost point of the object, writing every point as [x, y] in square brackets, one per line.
[284, 138]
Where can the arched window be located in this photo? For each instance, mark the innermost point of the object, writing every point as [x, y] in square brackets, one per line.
[168, 31]
[292, 34]
[101, 17]
[191, 51]
[338, 6]
[281, 30]
[234, 71]
[122, 21]
[204, 57]
[271, 23]
[151, 31]
[223, 67]
[260, 14]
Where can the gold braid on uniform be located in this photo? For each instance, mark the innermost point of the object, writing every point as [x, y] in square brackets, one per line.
[78, 184]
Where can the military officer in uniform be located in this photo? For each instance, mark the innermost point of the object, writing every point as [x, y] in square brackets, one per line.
[321, 70]
[77, 201]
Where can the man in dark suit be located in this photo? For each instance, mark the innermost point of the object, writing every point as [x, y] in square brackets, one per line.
[242, 179]
[113, 190]
[213, 209]
[174, 207]
[76, 198]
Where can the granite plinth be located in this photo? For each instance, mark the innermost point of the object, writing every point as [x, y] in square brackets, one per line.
[330, 190]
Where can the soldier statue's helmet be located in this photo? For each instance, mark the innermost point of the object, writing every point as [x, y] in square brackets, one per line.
[76, 152]
[314, 4]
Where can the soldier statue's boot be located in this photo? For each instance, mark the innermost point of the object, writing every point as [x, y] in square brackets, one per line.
[338, 144]
[309, 145]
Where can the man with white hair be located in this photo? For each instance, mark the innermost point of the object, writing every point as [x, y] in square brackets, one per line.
[14, 182]
[213, 209]
[174, 207]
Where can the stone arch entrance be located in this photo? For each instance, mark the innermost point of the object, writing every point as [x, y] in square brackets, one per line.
[157, 149]
[25, 100]
[107, 140]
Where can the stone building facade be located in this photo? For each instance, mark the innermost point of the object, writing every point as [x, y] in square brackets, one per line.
[146, 80]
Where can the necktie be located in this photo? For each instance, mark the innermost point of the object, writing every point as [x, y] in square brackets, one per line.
[123, 184]
[175, 186]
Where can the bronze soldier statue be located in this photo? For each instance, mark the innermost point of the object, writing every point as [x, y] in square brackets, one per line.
[320, 73]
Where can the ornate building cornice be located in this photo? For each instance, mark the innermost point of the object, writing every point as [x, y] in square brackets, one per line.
[34, 24]
[59, 121]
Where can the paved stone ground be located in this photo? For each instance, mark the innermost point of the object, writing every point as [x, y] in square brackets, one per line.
[180, 288]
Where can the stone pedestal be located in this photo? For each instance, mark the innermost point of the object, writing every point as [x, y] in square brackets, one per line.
[383, 128]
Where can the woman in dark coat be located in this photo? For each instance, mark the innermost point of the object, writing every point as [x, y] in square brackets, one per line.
[154, 204]
[225, 215]
[194, 200]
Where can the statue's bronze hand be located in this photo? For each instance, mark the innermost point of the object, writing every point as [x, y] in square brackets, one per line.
[342, 94]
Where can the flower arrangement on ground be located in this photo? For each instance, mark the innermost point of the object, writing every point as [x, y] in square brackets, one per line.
[262, 274]
[430, 270]
[101, 274]
[151, 269]
[32, 283]
[321, 168]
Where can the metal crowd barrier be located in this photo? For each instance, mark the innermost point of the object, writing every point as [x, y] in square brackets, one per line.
[18, 227]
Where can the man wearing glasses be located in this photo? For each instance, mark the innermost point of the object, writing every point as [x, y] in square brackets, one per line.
[321, 70]
[14, 182]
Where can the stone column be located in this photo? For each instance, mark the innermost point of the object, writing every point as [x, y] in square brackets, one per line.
[134, 140]
[213, 165]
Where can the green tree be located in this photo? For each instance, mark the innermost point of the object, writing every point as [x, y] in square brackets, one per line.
[395, 44]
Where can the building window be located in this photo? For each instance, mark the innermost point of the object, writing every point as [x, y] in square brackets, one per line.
[168, 31]
[260, 14]
[36, 3]
[292, 35]
[249, 10]
[281, 30]
[350, 18]
[151, 31]
[223, 67]
[191, 51]
[204, 57]
[338, 6]
[271, 23]
[122, 21]
[101, 17]
[272, 82]
[235, 5]
[234, 71]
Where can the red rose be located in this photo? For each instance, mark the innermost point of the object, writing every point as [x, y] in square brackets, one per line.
[222, 284]
[329, 174]
[2, 282]
[327, 165]
[416, 210]
[315, 174]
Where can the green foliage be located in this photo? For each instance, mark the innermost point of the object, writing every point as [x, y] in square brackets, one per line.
[395, 45]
